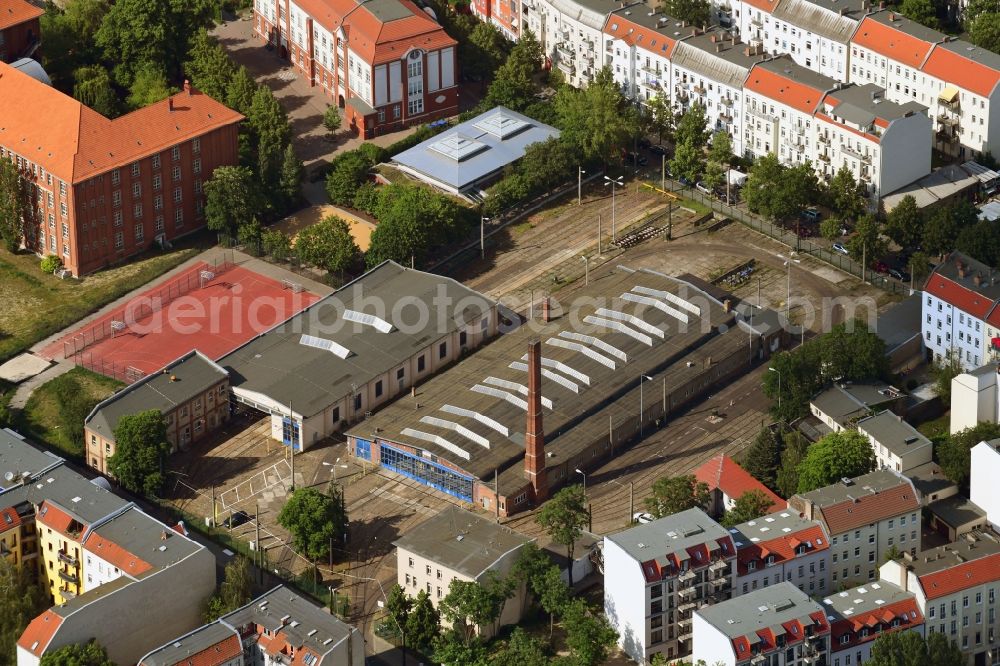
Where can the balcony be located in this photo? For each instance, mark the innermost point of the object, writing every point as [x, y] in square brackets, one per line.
[946, 137]
[689, 606]
[823, 138]
[823, 157]
[564, 50]
[699, 89]
[689, 591]
[566, 67]
[67, 558]
[651, 69]
[67, 593]
[718, 565]
[756, 22]
[758, 659]
[725, 101]
[69, 577]
[763, 115]
[947, 121]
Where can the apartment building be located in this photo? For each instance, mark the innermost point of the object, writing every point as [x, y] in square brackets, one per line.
[18, 538]
[984, 472]
[504, 14]
[20, 29]
[278, 627]
[459, 545]
[387, 62]
[958, 82]
[866, 518]
[782, 547]
[110, 189]
[897, 445]
[841, 406]
[727, 482]
[960, 309]
[638, 48]
[860, 615]
[777, 625]
[657, 574]
[974, 397]
[192, 393]
[571, 33]
[956, 588]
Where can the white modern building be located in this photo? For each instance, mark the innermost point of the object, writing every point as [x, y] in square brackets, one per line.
[638, 47]
[782, 547]
[860, 615]
[897, 445]
[985, 471]
[657, 574]
[840, 407]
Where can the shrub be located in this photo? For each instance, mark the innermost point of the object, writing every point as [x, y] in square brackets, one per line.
[51, 263]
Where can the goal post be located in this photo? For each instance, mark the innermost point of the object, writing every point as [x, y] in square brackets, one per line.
[206, 277]
[117, 327]
[295, 287]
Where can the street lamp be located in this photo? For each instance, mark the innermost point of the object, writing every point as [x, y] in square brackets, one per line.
[586, 269]
[779, 385]
[613, 182]
[579, 185]
[482, 235]
[641, 379]
[631, 495]
[580, 472]
[333, 468]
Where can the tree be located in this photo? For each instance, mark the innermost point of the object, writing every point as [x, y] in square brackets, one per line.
[589, 636]
[692, 127]
[21, 599]
[794, 452]
[547, 164]
[291, 175]
[921, 11]
[830, 227]
[527, 53]
[909, 648]
[845, 196]
[469, 605]
[16, 205]
[250, 235]
[597, 121]
[521, 649]
[411, 220]
[714, 175]
[276, 244]
[231, 199]
[423, 624]
[543, 580]
[919, 266]
[777, 191]
[235, 591]
[512, 87]
[93, 88]
[77, 654]
[563, 517]
[839, 455]
[314, 520]
[348, 171]
[398, 606]
[749, 506]
[328, 244]
[984, 30]
[695, 12]
[149, 86]
[673, 494]
[940, 231]
[867, 242]
[239, 90]
[659, 117]
[721, 150]
[452, 647]
[762, 458]
[212, 72]
[688, 162]
[943, 370]
[331, 119]
[141, 445]
[904, 223]
[490, 50]
[954, 453]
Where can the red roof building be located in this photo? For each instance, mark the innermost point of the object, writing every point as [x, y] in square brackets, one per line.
[504, 14]
[862, 614]
[387, 62]
[110, 189]
[20, 31]
[782, 547]
[727, 481]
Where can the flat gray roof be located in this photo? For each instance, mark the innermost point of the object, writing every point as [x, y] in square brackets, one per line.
[929, 479]
[895, 434]
[957, 511]
[771, 526]
[862, 599]
[938, 185]
[897, 21]
[18, 456]
[990, 284]
[714, 55]
[142, 536]
[766, 608]
[278, 365]
[877, 481]
[862, 104]
[82, 499]
[475, 150]
[178, 382]
[848, 400]
[972, 546]
[590, 360]
[385, 10]
[900, 322]
[461, 541]
[783, 65]
[670, 535]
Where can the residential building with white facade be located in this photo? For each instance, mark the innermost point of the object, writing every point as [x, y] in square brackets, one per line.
[975, 398]
[839, 407]
[984, 472]
[782, 547]
[638, 46]
[897, 445]
[504, 14]
[570, 32]
[657, 574]
[457, 544]
[777, 625]
[865, 518]
[860, 615]
[957, 588]
[959, 296]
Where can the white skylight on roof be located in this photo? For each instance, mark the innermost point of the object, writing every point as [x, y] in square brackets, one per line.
[485, 420]
[656, 303]
[460, 429]
[458, 148]
[436, 439]
[327, 345]
[501, 125]
[548, 374]
[639, 323]
[594, 342]
[379, 324]
[514, 386]
[503, 395]
[620, 327]
[586, 351]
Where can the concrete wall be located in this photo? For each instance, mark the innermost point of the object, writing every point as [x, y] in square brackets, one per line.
[626, 600]
[710, 644]
[985, 473]
[973, 399]
[905, 152]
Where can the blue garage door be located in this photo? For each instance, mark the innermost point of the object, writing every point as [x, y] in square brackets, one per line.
[427, 472]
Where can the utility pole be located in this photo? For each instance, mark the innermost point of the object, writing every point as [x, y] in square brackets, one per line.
[614, 182]
[663, 172]
[256, 539]
[496, 494]
[788, 292]
[586, 269]
[598, 235]
[579, 185]
[482, 236]
[215, 510]
[291, 439]
[864, 252]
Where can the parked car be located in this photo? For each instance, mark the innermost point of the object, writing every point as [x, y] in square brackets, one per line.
[811, 214]
[703, 188]
[657, 149]
[838, 247]
[642, 518]
[635, 159]
[236, 519]
[899, 274]
[685, 181]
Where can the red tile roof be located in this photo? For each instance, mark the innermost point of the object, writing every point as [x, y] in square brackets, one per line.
[795, 632]
[216, 655]
[791, 93]
[15, 12]
[963, 72]
[961, 297]
[74, 142]
[9, 519]
[39, 633]
[869, 508]
[763, 5]
[724, 473]
[107, 550]
[961, 577]
[782, 547]
[52, 516]
[643, 37]
[892, 43]
[906, 611]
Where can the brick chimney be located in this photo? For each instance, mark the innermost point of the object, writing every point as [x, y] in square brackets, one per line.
[187, 86]
[546, 310]
[170, 104]
[534, 439]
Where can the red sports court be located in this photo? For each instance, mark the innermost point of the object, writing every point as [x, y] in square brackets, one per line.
[212, 308]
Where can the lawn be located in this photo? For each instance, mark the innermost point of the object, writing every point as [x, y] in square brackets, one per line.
[34, 305]
[56, 410]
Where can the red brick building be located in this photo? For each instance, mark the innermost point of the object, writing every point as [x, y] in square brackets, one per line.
[504, 14]
[109, 189]
[20, 30]
[386, 62]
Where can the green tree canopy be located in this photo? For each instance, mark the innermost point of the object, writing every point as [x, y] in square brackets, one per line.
[721, 150]
[943, 370]
[411, 220]
[328, 244]
[563, 518]
[87, 654]
[845, 196]
[688, 162]
[521, 649]
[210, 69]
[749, 506]
[589, 636]
[909, 648]
[777, 191]
[148, 86]
[231, 199]
[984, 30]
[276, 244]
[93, 87]
[543, 580]
[695, 12]
[21, 599]
[954, 453]
[673, 494]
[332, 119]
[235, 591]
[347, 172]
[904, 223]
[314, 520]
[597, 121]
[795, 449]
[659, 117]
[423, 624]
[921, 11]
[490, 49]
[140, 447]
[940, 231]
[291, 175]
[762, 458]
[867, 242]
[692, 127]
[16, 204]
[839, 455]
[469, 605]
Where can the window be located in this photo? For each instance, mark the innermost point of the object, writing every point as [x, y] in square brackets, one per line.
[378, 394]
[116, 177]
[176, 173]
[442, 350]
[179, 217]
[178, 195]
[118, 217]
[135, 169]
[196, 145]
[157, 181]
[116, 198]
[139, 233]
[158, 202]
[137, 211]
[175, 153]
[136, 190]
[156, 161]
[421, 364]
[119, 240]
[196, 167]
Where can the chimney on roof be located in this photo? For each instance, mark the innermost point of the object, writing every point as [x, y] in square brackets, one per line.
[881, 4]
[748, 51]
[961, 270]
[712, 39]
[684, 24]
[534, 440]
[977, 279]
[892, 16]
[694, 31]
[187, 86]
[718, 47]
[546, 310]
[170, 104]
